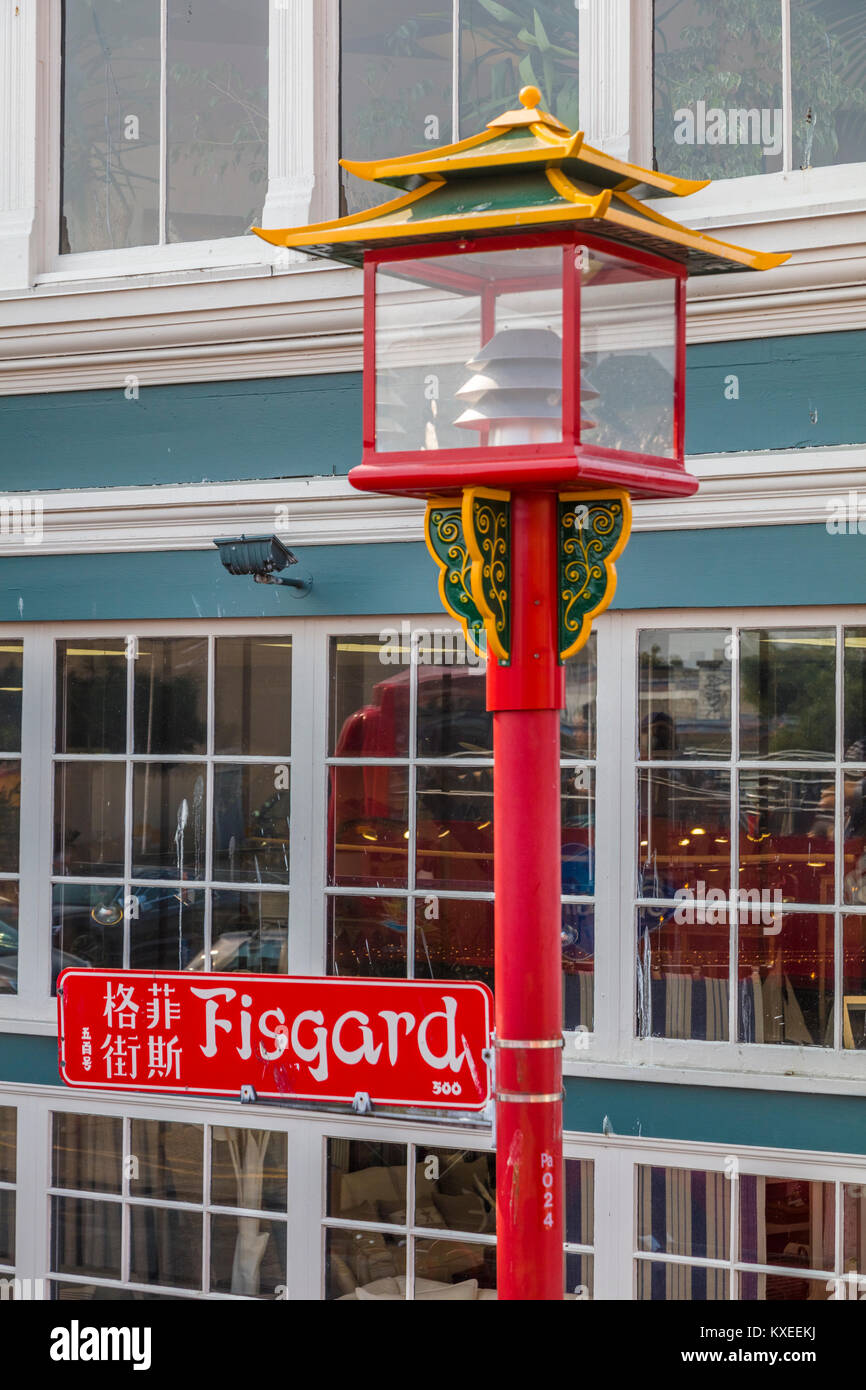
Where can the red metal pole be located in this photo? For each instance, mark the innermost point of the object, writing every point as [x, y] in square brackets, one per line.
[526, 697]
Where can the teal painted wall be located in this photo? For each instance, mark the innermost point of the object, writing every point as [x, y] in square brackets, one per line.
[758, 565]
[717, 1114]
[311, 425]
[652, 1109]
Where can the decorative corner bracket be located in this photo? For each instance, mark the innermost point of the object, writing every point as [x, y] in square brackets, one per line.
[594, 528]
[443, 532]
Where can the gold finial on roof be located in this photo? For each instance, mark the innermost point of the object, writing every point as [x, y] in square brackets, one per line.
[530, 115]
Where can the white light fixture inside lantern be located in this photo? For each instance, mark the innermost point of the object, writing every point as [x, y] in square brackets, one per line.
[516, 394]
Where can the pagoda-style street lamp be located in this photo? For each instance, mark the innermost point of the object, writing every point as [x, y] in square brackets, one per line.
[524, 370]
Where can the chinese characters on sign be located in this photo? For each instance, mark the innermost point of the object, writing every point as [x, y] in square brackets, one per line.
[413, 1042]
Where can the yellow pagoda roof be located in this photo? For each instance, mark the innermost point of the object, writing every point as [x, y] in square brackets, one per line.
[526, 171]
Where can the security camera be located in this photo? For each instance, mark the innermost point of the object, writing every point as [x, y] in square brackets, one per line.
[262, 557]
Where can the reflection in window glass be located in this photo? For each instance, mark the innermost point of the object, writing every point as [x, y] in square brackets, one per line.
[456, 1189]
[504, 47]
[249, 931]
[786, 973]
[578, 720]
[828, 77]
[165, 1246]
[854, 982]
[85, 1237]
[684, 695]
[369, 820]
[86, 1152]
[251, 823]
[89, 801]
[452, 713]
[247, 1255]
[787, 836]
[579, 1201]
[366, 1182]
[249, 1168]
[454, 831]
[854, 737]
[668, 1283]
[454, 939]
[788, 693]
[682, 971]
[9, 937]
[787, 1223]
[681, 1211]
[453, 1270]
[253, 695]
[170, 695]
[718, 88]
[685, 831]
[87, 923]
[11, 690]
[367, 936]
[216, 117]
[91, 696]
[8, 1140]
[369, 698]
[170, 1160]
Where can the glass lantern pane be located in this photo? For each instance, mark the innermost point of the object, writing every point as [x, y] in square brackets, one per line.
[628, 336]
[469, 350]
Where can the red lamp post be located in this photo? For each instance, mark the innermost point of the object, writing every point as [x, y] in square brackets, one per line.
[524, 370]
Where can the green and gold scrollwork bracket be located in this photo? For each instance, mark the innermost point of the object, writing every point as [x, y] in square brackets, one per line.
[594, 528]
[487, 528]
[443, 532]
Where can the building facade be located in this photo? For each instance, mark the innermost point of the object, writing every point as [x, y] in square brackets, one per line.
[199, 772]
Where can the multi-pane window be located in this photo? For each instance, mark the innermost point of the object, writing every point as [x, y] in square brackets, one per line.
[415, 76]
[419, 1222]
[732, 78]
[704, 1235]
[171, 803]
[410, 814]
[8, 1170]
[165, 121]
[752, 835]
[162, 1209]
[11, 661]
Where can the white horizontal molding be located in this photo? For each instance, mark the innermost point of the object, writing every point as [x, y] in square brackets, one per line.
[258, 320]
[788, 487]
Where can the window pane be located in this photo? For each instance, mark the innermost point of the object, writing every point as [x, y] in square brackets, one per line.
[168, 933]
[682, 972]
[828, 77]
[251, 823]
[253, 695]
[91, 696]
[248, 1168]
[455, 828]
[369, 697]
[168, 831]
[170, 695]
[578, 965]
[87, 925]
[854, 982]
[778, 1289]
[578, 721]
[110, 159]
[8, 1125]
[217, 117]
[627, 380]
[786, 1222]
[452, 713]
[85, 1237]
[685, 695]
[718, 88]
[854, 1232]
[786, 978]
[578, 1276]
[366, 1182]
[9, 937]
[250, 931]
[683, 1212]
[168, 1160]
[453, 939]
[10, 812]
[579, 1201]
[664, 1283]
[113, 1293]
[454, 1270]
[395, 84]
[369, 826]
[578, 831]
[86, 1152]
[165, 1247]
[363, 1265]
[786, 836]
[367, 936]
[7, 1228]
[788, 693]
[684, 832]
[504, 47]
[854, 738]
[11, 675]
[456, 1189]
[247, 1255]
[89, 803]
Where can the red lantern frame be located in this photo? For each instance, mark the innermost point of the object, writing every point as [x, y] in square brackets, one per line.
[566, 464]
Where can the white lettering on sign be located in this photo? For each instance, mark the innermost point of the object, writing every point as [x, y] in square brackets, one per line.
[354, 1037]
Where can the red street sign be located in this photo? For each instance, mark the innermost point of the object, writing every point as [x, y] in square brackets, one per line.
[319, 1038]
